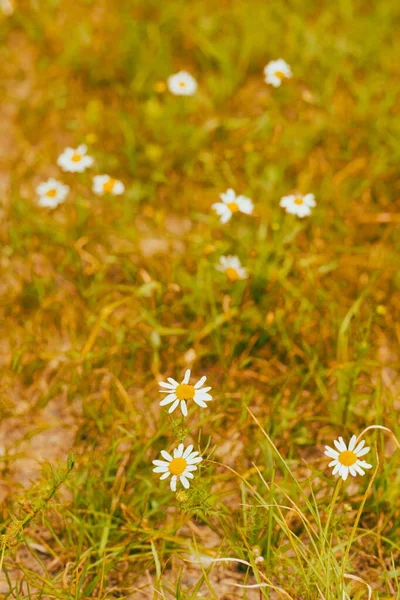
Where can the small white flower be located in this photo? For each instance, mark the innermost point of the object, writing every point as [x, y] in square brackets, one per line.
[299, 205]
[230, 265]
[182, 84]
[232, 204]
[104, 184]
[347, 459]
[180, 466]
[75, 160]
[179, 393]
[51, 193]
[276, 71]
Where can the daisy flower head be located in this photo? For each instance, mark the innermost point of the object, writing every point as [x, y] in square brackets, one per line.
[180, 393]
[276, 71]
[180, 466]
[75, 160]
[232, 204]
[51, 193]
[104, 184]
[299, 205]
[182, 84]
[231, 266]
[346, 459]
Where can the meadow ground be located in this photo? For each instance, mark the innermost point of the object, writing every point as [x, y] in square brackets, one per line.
[105, 296]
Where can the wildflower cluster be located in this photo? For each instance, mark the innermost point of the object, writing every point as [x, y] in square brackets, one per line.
[183, 461]
[52, 192]
[181, 464]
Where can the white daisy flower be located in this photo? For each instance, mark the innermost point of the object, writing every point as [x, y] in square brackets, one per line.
[182, 84]
[179, 393]
[180, 466]
[51, 193]
[75, 160]
[347, 459]
[104, 184]
[276, 71]
[232, 204]
[231, 266]
[299, 205]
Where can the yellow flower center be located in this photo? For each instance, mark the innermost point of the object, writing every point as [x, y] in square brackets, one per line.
[182, 84]
[232, 274]
[280, 74]
[347, 458]
[51, 193]
[233, 207]
[298, 200]
[184, 391]
[108, 186]
[76, 157]
[177, 466]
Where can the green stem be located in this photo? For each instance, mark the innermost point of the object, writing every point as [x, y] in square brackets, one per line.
[332, 505]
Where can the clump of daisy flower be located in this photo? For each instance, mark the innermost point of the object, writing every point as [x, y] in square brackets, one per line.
[104, 184]
[346, 459]
[276, 71]
[51, 193]
[232, 204]
[182, 84]
[179, 466]
[299, 205]
[181, 393]
[75, 160]
[231, 266]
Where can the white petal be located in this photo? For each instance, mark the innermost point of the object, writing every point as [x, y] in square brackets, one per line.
[200, 402]
[161, 463]
[340, 445]
[184, 408]
[200, 395]
[352, 443]
[184, 482]
[364, 464]
[160, 470]
[359, 447]
[173, 483]
[344, 472]
[358, 468]
[228, 196]
[165, 476]
[200, 382]
[352, 470]
[169, 386]
[245, 205]
[179, 451]
[187, 451]
[362, 452]
[166, 455]
[331, 452]
[172, 381]
[336, 469]
[119, 188]
[333, 463]
[309, 199]
[187, 377]
[168, 399]
[174, 405]
[194, 461]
